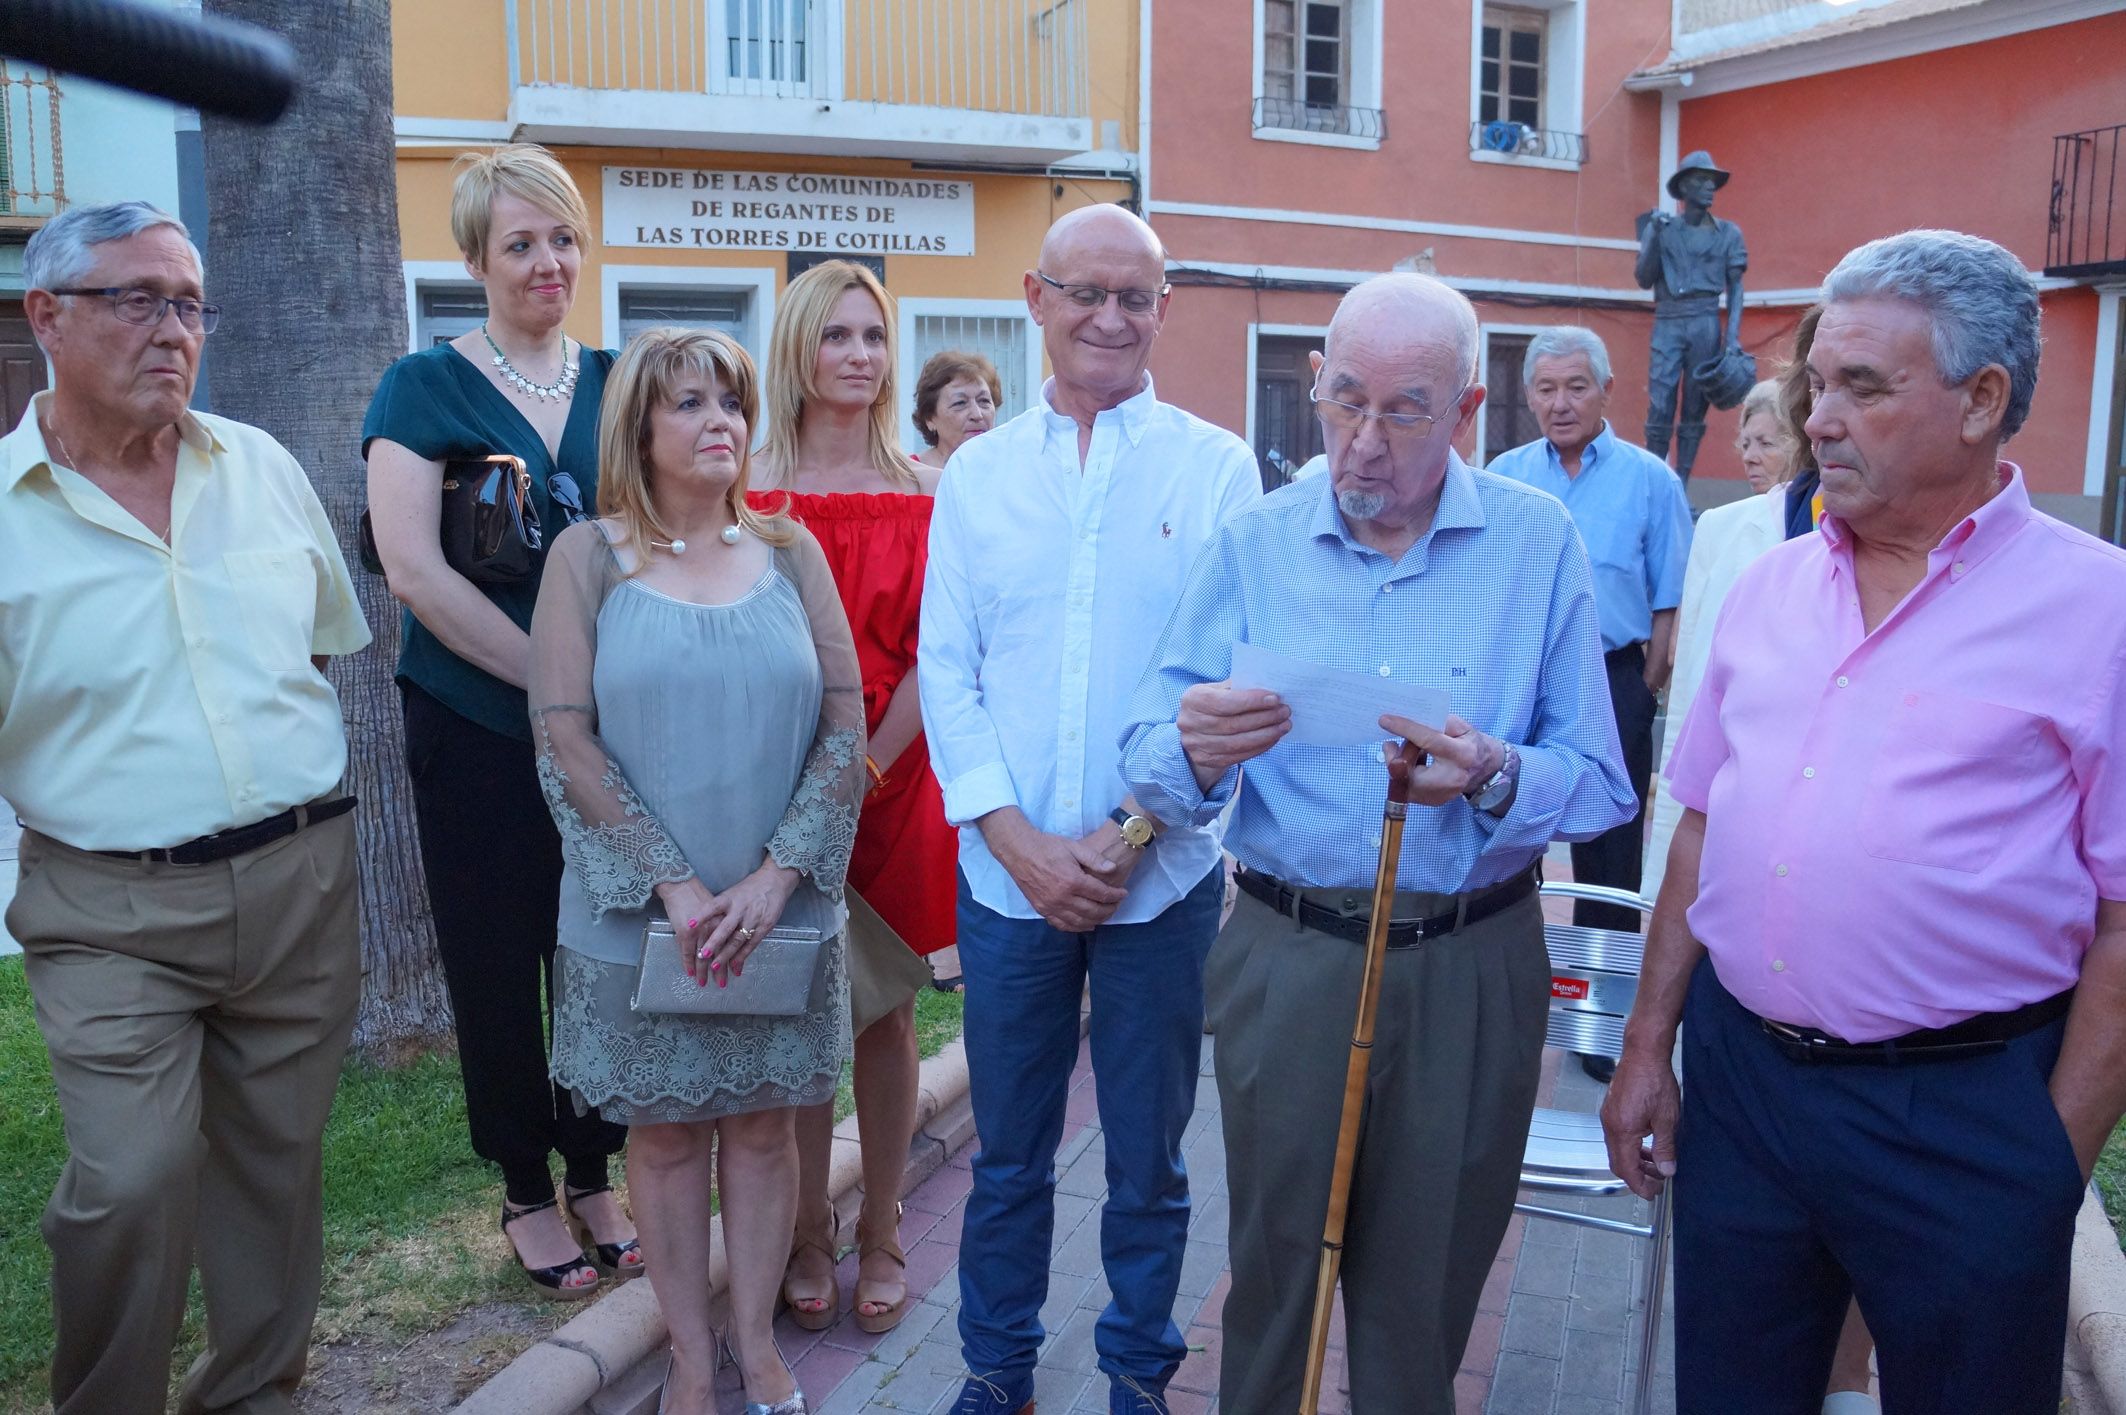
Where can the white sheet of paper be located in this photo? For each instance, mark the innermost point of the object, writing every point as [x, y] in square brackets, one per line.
[1332, 707]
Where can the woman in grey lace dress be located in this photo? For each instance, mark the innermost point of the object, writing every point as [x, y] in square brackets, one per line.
[699, 715]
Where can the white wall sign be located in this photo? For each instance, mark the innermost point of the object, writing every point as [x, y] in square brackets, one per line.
[699, 209]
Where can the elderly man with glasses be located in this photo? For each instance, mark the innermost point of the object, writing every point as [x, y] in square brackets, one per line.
[169, 591]
[1633, 517]
[1059, 544]
[1402, 564]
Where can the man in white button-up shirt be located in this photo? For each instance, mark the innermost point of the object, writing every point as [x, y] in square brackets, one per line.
[1059, 546]
[169, 590]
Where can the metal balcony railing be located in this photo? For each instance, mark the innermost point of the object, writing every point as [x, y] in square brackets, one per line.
[1024, 57]
[32, 163]
[1294, 116]
[1519, 140]
[2085, 231]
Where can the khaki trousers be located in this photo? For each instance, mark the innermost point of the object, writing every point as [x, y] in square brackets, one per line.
[196, 1018]
[1456, 1052]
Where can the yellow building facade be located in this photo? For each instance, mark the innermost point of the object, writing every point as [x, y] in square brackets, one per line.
[725, 145]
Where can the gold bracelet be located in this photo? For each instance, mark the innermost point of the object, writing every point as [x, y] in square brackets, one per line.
[878, 778]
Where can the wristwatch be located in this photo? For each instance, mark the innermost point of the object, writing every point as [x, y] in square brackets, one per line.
[1494, 791]
[1136, 830]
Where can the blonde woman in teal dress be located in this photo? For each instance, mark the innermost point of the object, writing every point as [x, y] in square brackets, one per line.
[699, 717]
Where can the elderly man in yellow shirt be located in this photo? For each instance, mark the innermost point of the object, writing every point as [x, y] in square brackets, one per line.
[169, 589]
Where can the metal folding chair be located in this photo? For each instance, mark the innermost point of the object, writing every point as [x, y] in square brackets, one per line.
[1594, 977]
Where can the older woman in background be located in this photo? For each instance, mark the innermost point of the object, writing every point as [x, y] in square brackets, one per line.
[833, 461]
[956, 398]
[515, 385]
[700, 726]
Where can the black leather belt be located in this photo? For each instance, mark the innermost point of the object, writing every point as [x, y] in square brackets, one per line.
[1974, 1036]
[223, 845]
[1476, 905]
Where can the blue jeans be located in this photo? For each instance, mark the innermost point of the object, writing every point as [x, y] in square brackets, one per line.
[1024, 980]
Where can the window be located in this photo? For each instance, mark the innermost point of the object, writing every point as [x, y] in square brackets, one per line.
[1001, 338]
[723, 310]
[1306, 51]
[1319, 68]
[765, 39]
[1508, 420]
[1510, 63]
[1526, 84]
[446, 311]
[1287, 434]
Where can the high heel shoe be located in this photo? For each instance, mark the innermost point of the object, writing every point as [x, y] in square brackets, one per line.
[820, 1236]
[611, 1259]
[552, 1282]
[878, 1323]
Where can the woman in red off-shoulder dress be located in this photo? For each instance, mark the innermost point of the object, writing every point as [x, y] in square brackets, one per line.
[832, 451]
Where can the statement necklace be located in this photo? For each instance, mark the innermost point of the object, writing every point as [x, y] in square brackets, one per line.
[74, 466]
[556, 392]
[730, 535]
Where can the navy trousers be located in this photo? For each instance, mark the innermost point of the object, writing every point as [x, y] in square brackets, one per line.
[1024, 981]
[1941, 1194]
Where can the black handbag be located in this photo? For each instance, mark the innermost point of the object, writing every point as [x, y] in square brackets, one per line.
[490, 528]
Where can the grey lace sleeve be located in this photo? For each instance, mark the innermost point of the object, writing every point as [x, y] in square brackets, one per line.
[619, 850]
[818, 831]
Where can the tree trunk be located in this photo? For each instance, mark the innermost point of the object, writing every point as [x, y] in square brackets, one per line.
[303, 256]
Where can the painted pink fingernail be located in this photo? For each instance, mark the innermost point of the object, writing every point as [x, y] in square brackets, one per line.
[722, 982]
[693, 923]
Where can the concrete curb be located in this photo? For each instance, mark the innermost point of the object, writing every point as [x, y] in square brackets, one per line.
[2096, 1301]
[598, 1363]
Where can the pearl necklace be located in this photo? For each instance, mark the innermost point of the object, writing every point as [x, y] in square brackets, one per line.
[74, 466]
[730, 535]
[556, 392]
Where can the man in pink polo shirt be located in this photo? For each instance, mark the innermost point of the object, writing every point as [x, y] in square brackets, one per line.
[1892, 922]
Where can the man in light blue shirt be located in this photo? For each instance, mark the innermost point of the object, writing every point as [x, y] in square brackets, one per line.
[1632, 514]
[1402, 563]
[1058, 545]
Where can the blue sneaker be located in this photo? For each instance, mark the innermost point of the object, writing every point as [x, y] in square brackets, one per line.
[996, 1393]
[1128, 1396]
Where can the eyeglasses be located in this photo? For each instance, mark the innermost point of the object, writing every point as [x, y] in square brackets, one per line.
[1395, 427]
[1092, 297]
[146, 307]
[568, 496]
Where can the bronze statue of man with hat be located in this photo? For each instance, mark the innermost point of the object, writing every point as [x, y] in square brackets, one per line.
[1689, 261]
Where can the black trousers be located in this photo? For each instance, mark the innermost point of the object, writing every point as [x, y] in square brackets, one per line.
[1940, 1194]
[1616, 856]
[493, 860]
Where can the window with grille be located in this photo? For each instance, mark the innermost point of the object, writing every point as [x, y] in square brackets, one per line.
[1510, 66]
[1508, 420]
[1306, 51]
[765, 39]
[1001, 339]
[723, 310]
[443, 312]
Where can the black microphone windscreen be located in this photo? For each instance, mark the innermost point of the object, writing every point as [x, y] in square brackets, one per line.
[236, 71]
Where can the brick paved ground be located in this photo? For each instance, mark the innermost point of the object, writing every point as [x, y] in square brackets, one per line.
[1555, 1335]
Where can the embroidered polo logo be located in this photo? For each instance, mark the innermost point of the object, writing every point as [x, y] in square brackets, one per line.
[1166, 529]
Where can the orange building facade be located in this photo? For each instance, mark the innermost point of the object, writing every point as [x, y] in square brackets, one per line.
[1948, 115]
[724, 145]
[1509, 148]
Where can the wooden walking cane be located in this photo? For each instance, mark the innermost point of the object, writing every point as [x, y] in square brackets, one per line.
[1332, 1229]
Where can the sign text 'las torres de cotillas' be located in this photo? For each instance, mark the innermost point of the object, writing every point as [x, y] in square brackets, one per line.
[691, 208]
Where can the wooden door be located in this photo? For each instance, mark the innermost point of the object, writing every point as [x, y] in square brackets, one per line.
[21, 361]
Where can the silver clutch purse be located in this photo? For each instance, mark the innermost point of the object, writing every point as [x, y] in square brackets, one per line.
[777, 981]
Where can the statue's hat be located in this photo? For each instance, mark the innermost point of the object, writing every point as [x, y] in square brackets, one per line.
[1699, 161]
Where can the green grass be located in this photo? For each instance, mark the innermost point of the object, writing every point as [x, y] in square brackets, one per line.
[2111, 1180]
[410, 1235]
